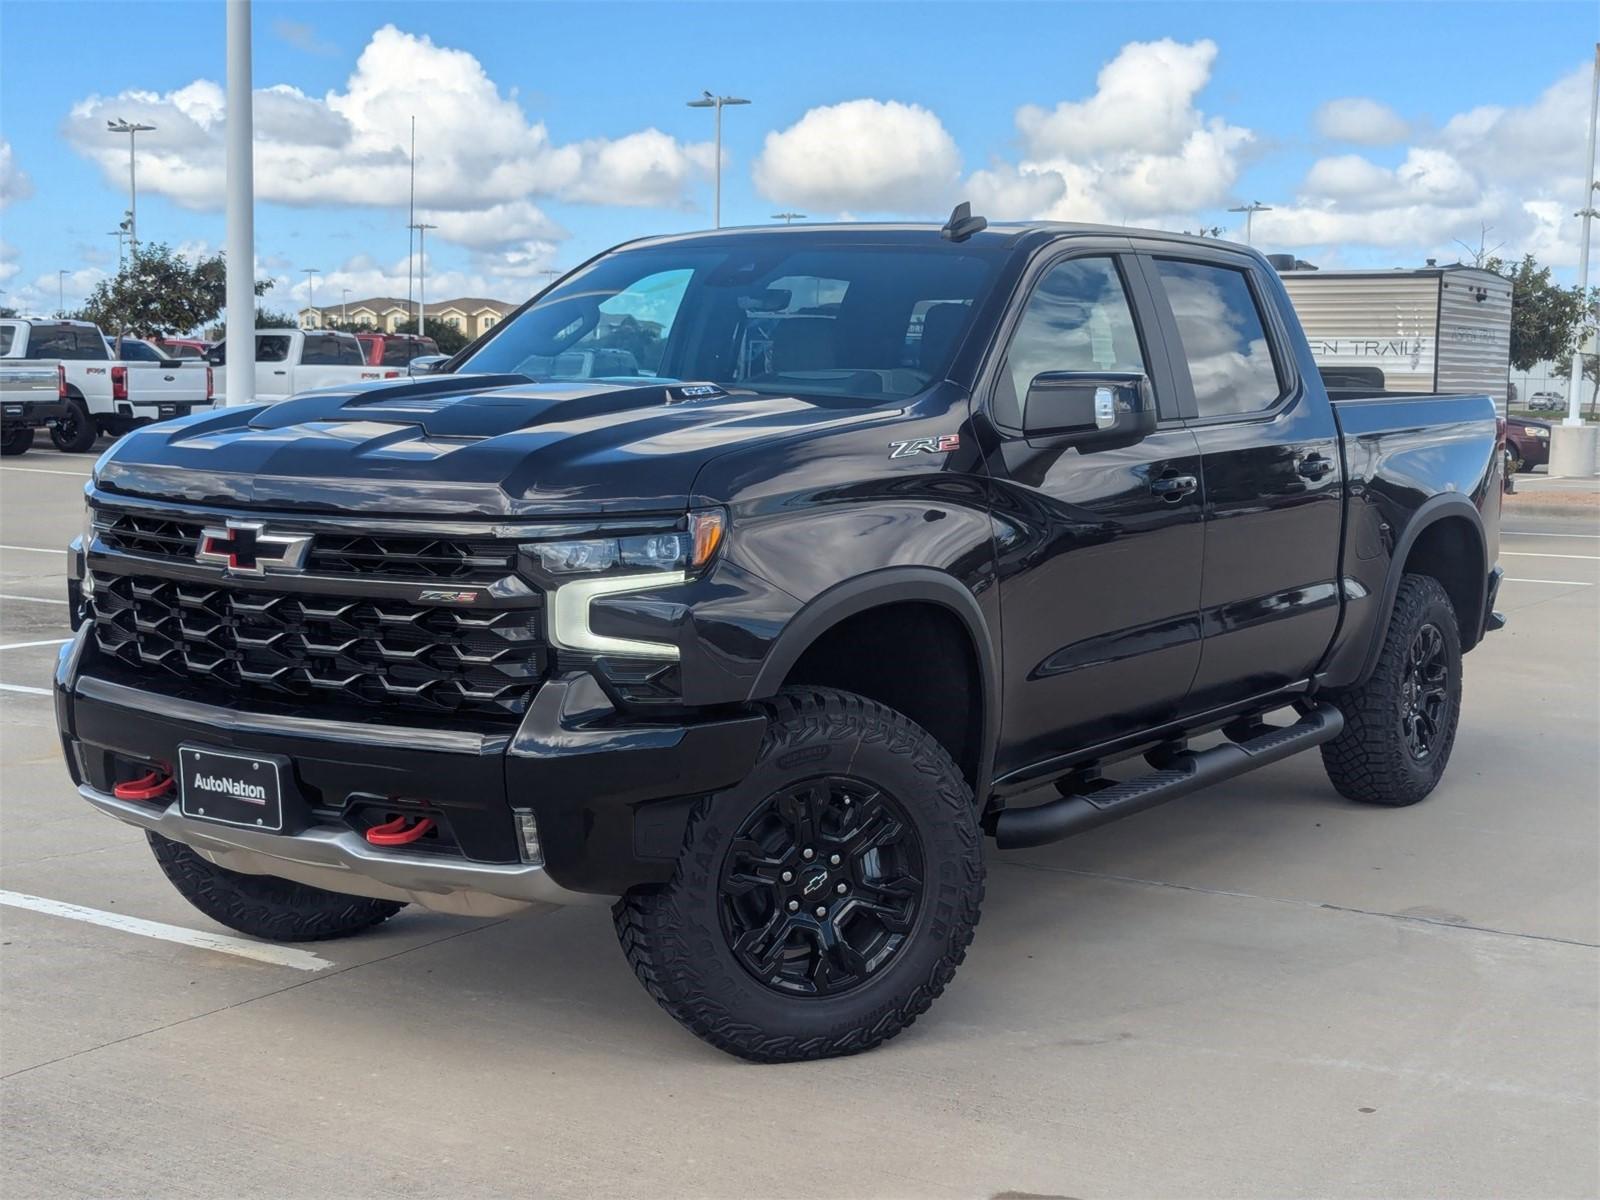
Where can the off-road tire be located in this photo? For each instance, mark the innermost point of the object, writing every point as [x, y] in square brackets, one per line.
[75, 433]
[15, 441]
[1370, 760]
[264, 906]
[673, 935]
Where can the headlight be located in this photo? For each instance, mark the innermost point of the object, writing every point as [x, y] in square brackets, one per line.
[594, 567]
[1533, 431]
[685, 552]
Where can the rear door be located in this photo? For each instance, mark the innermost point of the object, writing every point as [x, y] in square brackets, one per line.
[1099, 551]
[1269, 452]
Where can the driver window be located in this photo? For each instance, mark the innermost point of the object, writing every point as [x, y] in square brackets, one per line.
[1078, 319]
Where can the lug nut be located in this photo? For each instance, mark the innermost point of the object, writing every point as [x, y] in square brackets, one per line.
[787, 877]
[842, 889]
[808, 854]
[821, 911]
[834, 859]
[794, 906]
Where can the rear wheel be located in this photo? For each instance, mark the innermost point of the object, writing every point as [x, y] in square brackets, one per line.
[1401, 724]
[74, 432]
[16, 440]
[822, 904]
[265, 906]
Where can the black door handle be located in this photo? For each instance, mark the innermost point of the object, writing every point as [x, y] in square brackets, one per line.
[1173, 488]
[1314, 466]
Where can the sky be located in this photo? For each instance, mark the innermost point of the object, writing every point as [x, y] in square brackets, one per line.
[1379, 134]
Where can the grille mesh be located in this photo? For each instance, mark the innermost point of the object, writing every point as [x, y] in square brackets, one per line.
[332, 649]
[379, 555]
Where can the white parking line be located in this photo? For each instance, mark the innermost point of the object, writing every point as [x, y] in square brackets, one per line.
[277, 956]
[1531, 533]
[43, 471]
[30, 645]
[35, 549]
[1562, 582]
[24, 689]
[32, 599]
[1532, 554]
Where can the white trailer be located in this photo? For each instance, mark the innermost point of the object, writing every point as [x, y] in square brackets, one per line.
[1429, 329]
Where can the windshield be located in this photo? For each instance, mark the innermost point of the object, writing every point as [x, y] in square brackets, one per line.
[772, 314]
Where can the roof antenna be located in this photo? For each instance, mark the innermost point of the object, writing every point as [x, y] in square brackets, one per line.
[962, 224]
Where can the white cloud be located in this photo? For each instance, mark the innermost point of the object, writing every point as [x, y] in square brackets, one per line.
[1514, 169]
[488, 228]
[1361, 120]
[477, 151]
[872, 155]
[1138, 149]
[14, 181]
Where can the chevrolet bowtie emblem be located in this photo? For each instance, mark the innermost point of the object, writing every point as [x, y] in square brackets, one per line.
[246, 548]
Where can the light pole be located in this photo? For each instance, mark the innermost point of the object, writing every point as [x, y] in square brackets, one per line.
[422, 228]
[1249, 211]
[61, 292]
[311, 274]
[788, 218]
[119, 234]
[1588, 213]
[133, 129]
[239, 368]
[707, 100]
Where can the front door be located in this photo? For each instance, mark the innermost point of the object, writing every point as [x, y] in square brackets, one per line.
[1099, 551]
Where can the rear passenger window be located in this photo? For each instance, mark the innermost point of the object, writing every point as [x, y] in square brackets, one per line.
[1224, 339]
[1078, 319]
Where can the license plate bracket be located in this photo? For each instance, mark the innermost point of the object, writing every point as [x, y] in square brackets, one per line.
[231, 788]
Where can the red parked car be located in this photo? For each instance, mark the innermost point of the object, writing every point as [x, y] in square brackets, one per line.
[395, 349]
[176, 347]
[1527, 443]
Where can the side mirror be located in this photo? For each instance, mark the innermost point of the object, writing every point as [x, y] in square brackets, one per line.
[1093, 410]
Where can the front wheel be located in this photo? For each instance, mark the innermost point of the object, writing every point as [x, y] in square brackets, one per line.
[1401, 724]
[74, 432]
[822, 904]
[16, 440]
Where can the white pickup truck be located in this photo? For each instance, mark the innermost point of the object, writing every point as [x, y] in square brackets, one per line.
[101, 394]
[291, 361]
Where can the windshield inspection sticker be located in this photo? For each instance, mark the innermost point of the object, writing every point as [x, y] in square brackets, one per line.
[941, 444]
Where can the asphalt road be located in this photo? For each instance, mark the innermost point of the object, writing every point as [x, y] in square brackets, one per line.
[1262, 990]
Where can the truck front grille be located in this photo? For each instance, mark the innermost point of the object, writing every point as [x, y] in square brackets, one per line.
[376, 555]
[338, 650]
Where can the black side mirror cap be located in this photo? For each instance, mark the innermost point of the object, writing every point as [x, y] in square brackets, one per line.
[1092, 410]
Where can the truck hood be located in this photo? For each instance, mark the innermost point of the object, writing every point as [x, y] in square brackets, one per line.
[462, 445]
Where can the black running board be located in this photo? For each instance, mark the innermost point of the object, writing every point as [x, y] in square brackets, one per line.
[1188, 771]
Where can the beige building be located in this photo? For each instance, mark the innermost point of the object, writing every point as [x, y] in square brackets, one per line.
[472, 315]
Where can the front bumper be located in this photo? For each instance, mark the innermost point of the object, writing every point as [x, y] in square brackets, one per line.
[611, 797]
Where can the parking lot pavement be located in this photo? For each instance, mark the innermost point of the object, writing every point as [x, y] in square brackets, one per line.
[1259, 990]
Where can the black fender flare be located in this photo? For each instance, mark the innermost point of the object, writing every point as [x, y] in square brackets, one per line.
[896, 585]
[1433, 510]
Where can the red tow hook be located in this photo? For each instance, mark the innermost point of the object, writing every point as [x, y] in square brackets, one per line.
[146, 787]
[397, 832]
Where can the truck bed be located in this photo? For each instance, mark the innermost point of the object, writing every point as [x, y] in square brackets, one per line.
[1402, 452]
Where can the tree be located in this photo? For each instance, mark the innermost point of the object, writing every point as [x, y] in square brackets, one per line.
[159, 293]
[7, 311]
[1546, 318]
[266, 318]
[448, 338]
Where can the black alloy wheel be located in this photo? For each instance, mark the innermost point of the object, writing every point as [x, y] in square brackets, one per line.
[822, 886]
[1424, 692]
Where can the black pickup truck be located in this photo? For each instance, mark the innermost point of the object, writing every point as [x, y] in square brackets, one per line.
[745, 580]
